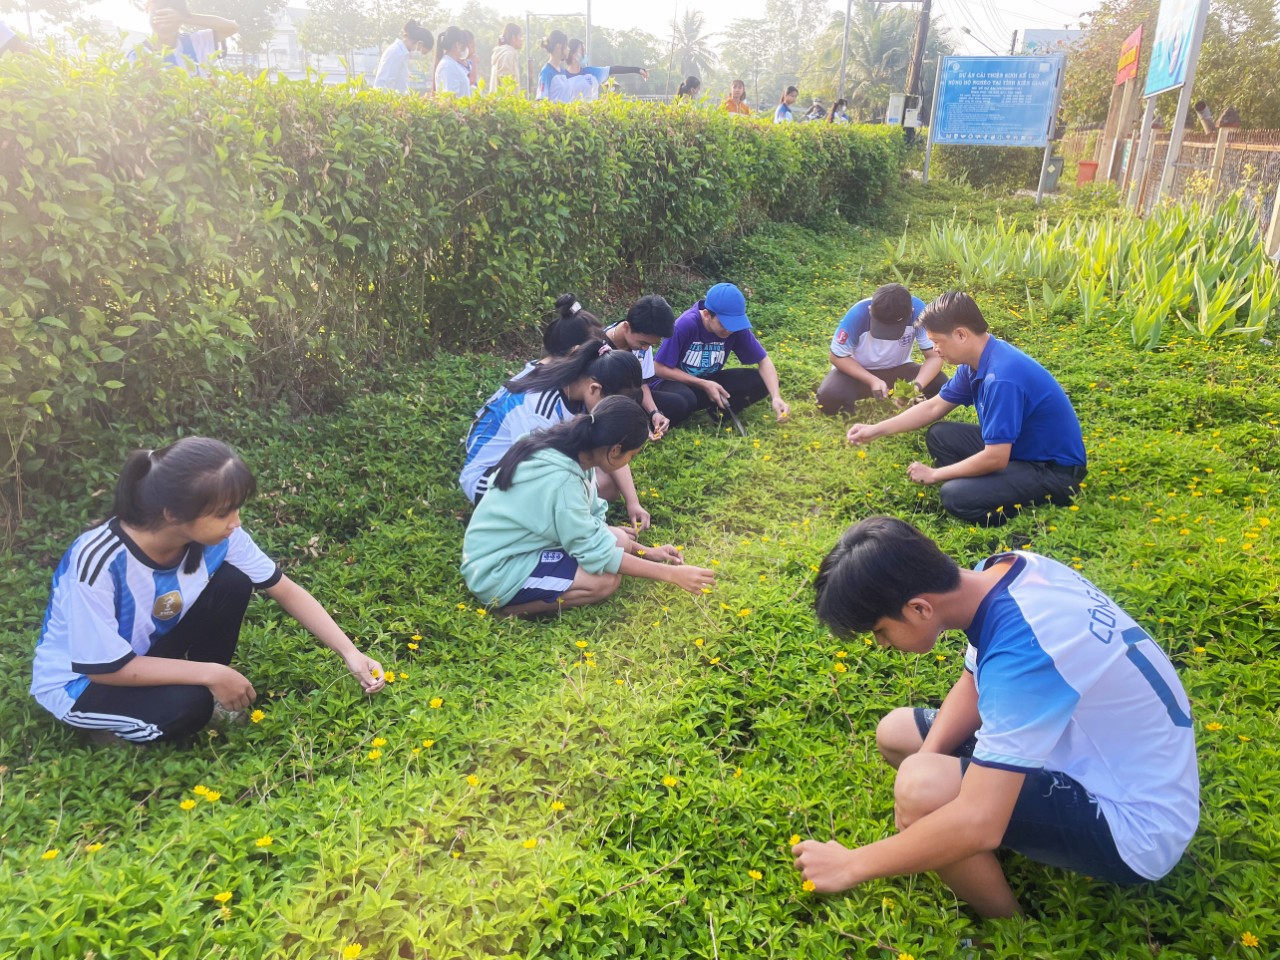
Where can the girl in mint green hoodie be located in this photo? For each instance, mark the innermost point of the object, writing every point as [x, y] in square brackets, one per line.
[538, 540]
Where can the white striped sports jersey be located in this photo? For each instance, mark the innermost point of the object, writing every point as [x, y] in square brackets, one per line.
[504, 419]
[110, 602]
[1067, 681]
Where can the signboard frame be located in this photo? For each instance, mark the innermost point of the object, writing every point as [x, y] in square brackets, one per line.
[977, 91]
[1171, 47]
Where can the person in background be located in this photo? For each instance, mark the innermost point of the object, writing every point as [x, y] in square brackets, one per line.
[451, 73]
[736, 101]
[189, 51]
[782, 113]
[690, 362]
[10, 42]
[871, 350]
[649, 320]
[689, 87]
[538, 542]
[505, 60]
[469, 60]
[557, 46]
[816, 111]
[839, 112]
[145, 609]
[581, 82]
[393, 66]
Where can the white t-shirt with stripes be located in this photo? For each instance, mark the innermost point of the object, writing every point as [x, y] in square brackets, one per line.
[110, 602]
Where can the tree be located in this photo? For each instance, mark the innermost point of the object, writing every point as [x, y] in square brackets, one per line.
[50, 13]
[345, 26]
[255, 18]
[690, 44]
[632, 48]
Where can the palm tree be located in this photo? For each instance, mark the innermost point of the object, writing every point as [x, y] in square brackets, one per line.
[690, 45]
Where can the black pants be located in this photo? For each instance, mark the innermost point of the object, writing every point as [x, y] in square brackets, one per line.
[207, 633]
[995, 498]
[679, 401]
[839, 392]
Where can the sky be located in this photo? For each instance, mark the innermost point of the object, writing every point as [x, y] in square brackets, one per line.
[991, 22]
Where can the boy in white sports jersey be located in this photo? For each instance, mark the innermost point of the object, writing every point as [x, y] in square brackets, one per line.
[1067, 738]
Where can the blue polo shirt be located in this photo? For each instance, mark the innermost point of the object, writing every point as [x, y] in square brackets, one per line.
[1019, 402]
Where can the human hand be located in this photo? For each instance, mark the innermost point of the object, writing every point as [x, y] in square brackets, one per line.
[658, 425]
[230, 688]
[664, 554]
[827, 865]
[922, 474]
[718, 394]
[644, 74]
[781, 408]
[861, 433]
[879, 389]
[163, 20]
[693, 579]
[368, 671]
[639, 517]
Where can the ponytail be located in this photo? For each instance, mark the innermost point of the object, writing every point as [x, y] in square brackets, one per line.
[556, 38]
[571, 327]
[447, 40]
[617, 371]
[688, 86]
[615, 422]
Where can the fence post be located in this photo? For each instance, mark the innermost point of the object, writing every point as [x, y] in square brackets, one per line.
[1219, 156]
[1273, 231]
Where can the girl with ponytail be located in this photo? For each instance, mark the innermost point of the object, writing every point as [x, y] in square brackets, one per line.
[544, 394]
[538, 541]
[145, 611]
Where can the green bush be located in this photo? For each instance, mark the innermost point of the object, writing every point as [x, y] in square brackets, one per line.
[1003, 169]
[168, 243]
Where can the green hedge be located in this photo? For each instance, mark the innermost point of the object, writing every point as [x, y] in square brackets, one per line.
[1002, 169]
[168, 243]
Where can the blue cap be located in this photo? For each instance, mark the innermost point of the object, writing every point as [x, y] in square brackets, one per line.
[729, 305]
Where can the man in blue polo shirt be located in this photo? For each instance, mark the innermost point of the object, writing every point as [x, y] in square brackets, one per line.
[1027, 448]
[1067, 736]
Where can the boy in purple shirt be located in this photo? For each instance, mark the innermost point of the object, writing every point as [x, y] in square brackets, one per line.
[690, 363]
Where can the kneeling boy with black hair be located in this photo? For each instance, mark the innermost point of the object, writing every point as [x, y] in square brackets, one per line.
[649, 321]
[1067, 737]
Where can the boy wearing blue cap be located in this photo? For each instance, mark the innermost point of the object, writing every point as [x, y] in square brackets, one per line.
[690, 364]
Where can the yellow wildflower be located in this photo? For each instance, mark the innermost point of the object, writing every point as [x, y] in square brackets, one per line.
[808, 886]
[264, 841]
[213, 796]
[473, 780]
[795, 838]
[530, 843]
[669, 781]
[557, 806]
[51, 854]
[840, 667]
[436, 703]
[93, 848]
[375, 754]
[580, 644]
[188, 804]
[352, 950]
[223, 897]
[379, 741]
[199, 789]
[1248, 939]
[257, 716]
[1214, 726]
[428, 743]
[755, 874]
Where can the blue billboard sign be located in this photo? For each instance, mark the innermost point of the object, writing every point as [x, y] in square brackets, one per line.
[997, 101]
[1174, 29]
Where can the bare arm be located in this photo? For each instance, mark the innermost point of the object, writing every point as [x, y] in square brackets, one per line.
[228, 686]
[913, 418]
[957, 718]
[931, 367]
[222, 28]
[769, 374]
[692, 579]
[306, 609]
[989, 459]
[679, 376]
[852, 368]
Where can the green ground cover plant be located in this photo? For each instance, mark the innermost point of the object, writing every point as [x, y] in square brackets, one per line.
[626, 781]
[167, 242]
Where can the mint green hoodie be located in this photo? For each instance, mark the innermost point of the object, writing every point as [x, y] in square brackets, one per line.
[551, 505]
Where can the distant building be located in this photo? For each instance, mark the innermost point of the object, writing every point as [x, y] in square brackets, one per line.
[1049, 41]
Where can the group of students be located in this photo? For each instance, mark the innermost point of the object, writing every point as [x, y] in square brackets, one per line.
[1067, 735]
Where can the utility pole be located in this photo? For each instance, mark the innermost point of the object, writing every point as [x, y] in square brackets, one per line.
[917, 58]
[1013, 43]
[844, 47]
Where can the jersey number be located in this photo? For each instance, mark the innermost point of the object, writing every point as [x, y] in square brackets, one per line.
[1134, 636]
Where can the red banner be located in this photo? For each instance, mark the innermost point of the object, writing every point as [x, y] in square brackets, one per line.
[1127, 68]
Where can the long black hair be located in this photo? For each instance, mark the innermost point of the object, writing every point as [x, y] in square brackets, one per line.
[615, 422]
[571, 327]
[689, 86]
[617, 371]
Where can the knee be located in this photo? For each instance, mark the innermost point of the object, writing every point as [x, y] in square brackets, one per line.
[897, 736]
[192, 712]
[605, 586]
[916, 791]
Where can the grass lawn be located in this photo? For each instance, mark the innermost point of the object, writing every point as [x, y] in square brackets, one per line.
[626, 781]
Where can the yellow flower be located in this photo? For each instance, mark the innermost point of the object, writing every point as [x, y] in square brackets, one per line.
[713, 661]
[199, 789]
[1199, 649]
[352, 950]
[456, 854]
[51, 854]
[188, 804]
[1248, 939]
[557, 806]
[257, 716]
[462, 606]
[669, 781]
[379, 741]
[755, 874]
[887, 902]
[530, 843]
[223, 897]
[1214, 726]
[795, 838]
[699, 642]
[473, 780]
[808, 886]
[391, 676]
[416, 636]
[436, 703]
[481, 612]
[412, 646]
[264, 841]
[93, 848]
[428, 743]
[841, 654]
[737, 773]
[840, 667]
[375, 754]
[744, 612]
[905, 956]
[580, 644]
[213, 796]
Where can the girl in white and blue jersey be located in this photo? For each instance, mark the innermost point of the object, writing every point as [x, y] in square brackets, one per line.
[145, 610]
[545, 394]
[557, 46]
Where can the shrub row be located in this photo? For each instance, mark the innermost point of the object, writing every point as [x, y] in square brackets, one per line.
[168, 243]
